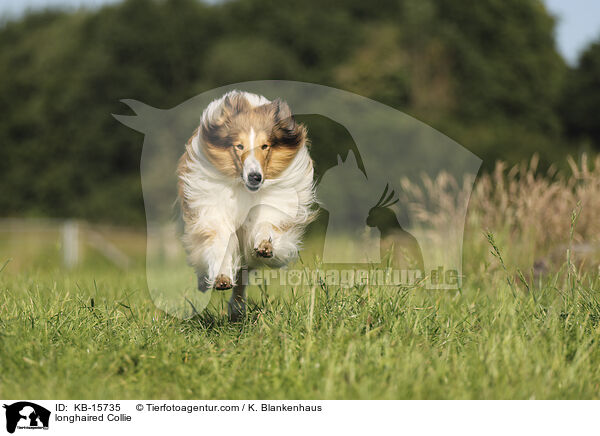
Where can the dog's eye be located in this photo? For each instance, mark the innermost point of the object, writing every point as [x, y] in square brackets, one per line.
[264, 146]
[239, 147]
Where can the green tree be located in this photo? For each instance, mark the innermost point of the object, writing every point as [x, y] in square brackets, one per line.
[581, 102]
[486, 74]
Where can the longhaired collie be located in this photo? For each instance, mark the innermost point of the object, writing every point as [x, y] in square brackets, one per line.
[246, 191]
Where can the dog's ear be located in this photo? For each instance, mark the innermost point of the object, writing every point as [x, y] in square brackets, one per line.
[286, 131]
[281, 109]
[234, 104]
[214, 133]
[214, 127]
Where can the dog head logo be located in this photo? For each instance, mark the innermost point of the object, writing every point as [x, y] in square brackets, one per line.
[391, 192]
[26, 415]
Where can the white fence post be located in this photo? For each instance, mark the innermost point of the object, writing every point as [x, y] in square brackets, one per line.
[70, 237]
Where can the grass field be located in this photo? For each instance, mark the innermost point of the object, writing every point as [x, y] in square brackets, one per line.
[90, 335]
[525, 324]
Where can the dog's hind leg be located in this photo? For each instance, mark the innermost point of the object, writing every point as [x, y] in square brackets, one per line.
[237, 302]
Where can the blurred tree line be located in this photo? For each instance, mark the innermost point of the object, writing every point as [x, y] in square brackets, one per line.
[486, 74]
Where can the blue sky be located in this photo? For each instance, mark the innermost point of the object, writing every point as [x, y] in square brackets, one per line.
[578, 24]
[579, 20]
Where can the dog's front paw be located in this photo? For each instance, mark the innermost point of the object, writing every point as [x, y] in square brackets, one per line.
[264, 249]
[222, 282]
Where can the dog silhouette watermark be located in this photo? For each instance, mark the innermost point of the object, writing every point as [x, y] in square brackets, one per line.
[370, 216]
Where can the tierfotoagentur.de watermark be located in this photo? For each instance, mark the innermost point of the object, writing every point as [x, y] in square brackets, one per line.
[348, 278]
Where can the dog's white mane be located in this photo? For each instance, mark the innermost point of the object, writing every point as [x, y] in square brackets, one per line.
[215, 198]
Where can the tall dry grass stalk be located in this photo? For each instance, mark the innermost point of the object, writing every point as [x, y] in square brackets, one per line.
[527, 210]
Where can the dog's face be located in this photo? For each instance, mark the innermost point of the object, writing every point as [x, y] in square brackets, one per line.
[254, 143]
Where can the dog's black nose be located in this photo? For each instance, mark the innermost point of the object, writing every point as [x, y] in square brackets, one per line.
[254, 178]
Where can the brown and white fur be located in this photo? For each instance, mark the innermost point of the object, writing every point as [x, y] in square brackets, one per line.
[246, 191]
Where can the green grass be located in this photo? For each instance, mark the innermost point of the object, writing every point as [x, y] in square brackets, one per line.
[96, 334]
